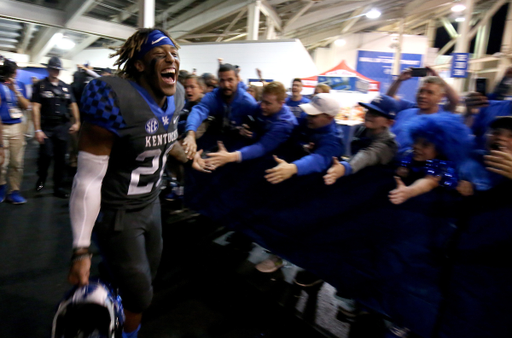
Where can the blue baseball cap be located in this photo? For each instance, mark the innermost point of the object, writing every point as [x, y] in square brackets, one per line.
[382, 104]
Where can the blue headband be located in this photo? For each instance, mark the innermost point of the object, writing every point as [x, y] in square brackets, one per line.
[155, 38]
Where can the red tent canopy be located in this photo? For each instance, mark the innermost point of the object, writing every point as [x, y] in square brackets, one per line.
[344, 71]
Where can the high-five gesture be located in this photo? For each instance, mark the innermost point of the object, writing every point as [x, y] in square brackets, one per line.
[190, 145]
[200, 164]
[336, 171]
[281, 172]
[221, 157]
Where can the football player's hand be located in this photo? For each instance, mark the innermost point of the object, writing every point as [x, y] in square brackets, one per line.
[80, 271]
[190, 145]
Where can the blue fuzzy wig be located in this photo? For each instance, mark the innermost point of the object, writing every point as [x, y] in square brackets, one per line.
[449, 135]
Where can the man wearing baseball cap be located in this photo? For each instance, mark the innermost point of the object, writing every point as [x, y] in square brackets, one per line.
[372, 143]
[318, 134]
[53, 100]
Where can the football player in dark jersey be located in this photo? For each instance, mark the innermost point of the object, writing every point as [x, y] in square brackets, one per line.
[130, 126]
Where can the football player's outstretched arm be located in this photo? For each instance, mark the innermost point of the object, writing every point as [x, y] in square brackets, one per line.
[94, 145]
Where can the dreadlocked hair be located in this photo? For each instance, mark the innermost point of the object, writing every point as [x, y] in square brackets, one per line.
[126, 54]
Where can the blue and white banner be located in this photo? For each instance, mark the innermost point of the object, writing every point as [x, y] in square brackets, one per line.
[459, 65]
[378, 66]
[339, 83]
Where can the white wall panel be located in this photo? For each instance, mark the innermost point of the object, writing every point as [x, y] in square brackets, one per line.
[281, 60]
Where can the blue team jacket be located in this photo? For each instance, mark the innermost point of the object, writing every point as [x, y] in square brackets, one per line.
[212, 105]
[328, 142]
[275, 130]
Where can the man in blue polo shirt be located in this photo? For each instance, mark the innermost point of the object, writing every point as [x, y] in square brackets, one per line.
[228, 104]
[318, 133]
[296, 98]
[273, 125]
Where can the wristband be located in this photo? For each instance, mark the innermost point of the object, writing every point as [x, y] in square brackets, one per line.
[37, 131]
[80, 257]
[81, 248]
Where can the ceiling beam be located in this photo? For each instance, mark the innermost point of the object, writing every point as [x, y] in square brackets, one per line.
[76, 8]
[420, 6]
[270, 12]
[298, 15]
[236, 37]
[173, 9]
[126, 13]
[26, 12]
[326, 34]
[81, 46]
[486, 17]
[323, 14]
[27, 34]
[188, 15]
[449, 28]
[232, 24]
[355, 16]
[347, 25]
[208, 35]
[214, 14]
[45, 41]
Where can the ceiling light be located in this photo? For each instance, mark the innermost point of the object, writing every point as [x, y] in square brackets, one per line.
[460, 19]
[65, 44]
[340, 42]
[373, 14]
[458, 8]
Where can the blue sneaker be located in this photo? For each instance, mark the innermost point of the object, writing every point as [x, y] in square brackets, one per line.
[15, 198]
[3, 191]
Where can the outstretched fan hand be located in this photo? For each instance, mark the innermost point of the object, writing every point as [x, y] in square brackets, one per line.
[401, 193]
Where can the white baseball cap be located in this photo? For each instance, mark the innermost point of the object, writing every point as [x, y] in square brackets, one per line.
[323, 103]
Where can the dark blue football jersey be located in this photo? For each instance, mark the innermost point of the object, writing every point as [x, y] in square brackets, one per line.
[145, 135]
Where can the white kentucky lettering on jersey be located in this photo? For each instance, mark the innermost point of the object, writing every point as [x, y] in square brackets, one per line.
[161, 139]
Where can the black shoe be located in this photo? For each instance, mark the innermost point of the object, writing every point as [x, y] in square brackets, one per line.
[61, 193]
[39, 184]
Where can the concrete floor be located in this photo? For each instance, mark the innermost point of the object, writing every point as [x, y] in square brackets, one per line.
[204, 289]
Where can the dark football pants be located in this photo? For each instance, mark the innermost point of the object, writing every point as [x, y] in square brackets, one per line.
[54, 147]
[131, 245]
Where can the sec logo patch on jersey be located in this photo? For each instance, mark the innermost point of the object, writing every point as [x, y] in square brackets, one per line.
[152, 126]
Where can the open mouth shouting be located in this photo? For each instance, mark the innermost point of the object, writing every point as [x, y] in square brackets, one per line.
[168, 75]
